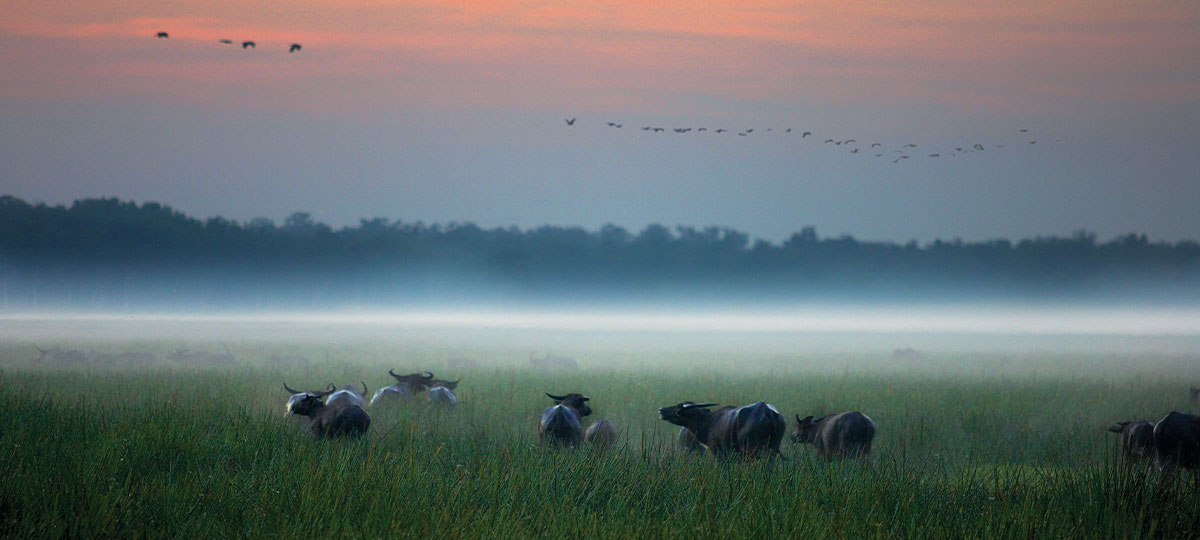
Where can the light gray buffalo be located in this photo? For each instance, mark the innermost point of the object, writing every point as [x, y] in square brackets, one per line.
[749, 431]
[1137, 440]
[561, 425]
[406, 388]
[441, 393]
[602, 434]
[847, 434]
[1177, 442]
[348, 395]
[689, 443]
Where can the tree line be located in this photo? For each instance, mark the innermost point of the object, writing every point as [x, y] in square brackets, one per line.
[109, 252]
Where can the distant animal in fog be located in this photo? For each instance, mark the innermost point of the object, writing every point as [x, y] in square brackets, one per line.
[905, 352]
[339, 420]
[560, 425]
[847, 434]
[550, 361]
[1177, 442]
[348, 395]
[197, 358]
[749, 431]
[601, 434]
[406, 387]
[1193, 395]
[1137, 439]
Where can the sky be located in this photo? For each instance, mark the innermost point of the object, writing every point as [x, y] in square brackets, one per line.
[454, 111]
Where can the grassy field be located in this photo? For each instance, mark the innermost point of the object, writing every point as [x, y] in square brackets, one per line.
[990, 442]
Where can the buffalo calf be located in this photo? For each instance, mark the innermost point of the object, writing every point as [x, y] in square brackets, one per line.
[847, 434]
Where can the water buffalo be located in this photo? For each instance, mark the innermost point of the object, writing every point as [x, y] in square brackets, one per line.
[343, 419]
[348, 395]
[441, 393]
[298, 395]
[1177, 442]
[406, 387]
[1137, 440]
[747, 431]
[560, 424]
[601, 434]
[847, 434]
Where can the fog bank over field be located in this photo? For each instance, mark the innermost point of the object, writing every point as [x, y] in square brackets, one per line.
[884, 329]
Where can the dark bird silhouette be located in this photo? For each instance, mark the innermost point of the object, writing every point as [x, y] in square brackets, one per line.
[934, 155]
[162, 35]
[248, 45]
[614, 124]
[978, 146]
[569, 121]
[827, 141]
[805, 134]
[1032, 142]
[646, 128]
[721, 130]
[788, 130]
[295, 47]
[878, 155]
[1024, 131]
[657, 130]
[910, 145]
[701, 129]
[749, 131]
[849, 141]
[226, 41]
[855, 151]
[873, 145]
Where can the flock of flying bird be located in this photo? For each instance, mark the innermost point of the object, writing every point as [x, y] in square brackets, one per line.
[295, 47]
[852, 146]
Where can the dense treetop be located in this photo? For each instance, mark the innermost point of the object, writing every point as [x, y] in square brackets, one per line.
[108, 250]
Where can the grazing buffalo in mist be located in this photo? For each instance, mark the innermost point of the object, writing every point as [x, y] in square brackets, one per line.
[348, 395]
[70, 357]
[406, 387]
[560, 425]
[441, 393]
[1137, 440]
[1177, 442]
[343, 419]
[906, 352]
[550, 361]
[601, 434]
[747, 431]
[847, 434]
[200, 358]
[689, 443]
[462, 363]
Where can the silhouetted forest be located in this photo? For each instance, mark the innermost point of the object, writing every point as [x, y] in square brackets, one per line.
[113, 253]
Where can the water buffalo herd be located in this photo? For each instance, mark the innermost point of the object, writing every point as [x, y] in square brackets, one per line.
[750, 431]
[1172, 442]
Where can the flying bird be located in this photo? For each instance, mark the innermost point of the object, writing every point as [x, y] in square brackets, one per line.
[162, 35]
[910, 145]
[569, 121]
[226, 41]
[827, 141]
[873, 145]
[646, 128]
[741, 134]
[248, 45]
[721, 130]
[295, 47]
[848, 141]
[749, 131]
[805, 134]
[701, 129]
[855, 151]
[978, 146]
[1024, 131]
[657, 130]
[789, 130]
[934, 155]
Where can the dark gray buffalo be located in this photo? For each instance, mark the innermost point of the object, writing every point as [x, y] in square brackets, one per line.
[342, 420]
[561, 425]
[847, 434]
[1177, 442]
[1137, 440]
[748, 431]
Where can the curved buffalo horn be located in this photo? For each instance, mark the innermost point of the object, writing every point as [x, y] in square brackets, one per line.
[554, 397]
[326, 392]
[401, 378]
[427, 375]
[585, 398]
[364, 383]
[694, 405]
[291, 390]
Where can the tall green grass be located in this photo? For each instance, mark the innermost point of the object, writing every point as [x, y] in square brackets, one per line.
[969, 446]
